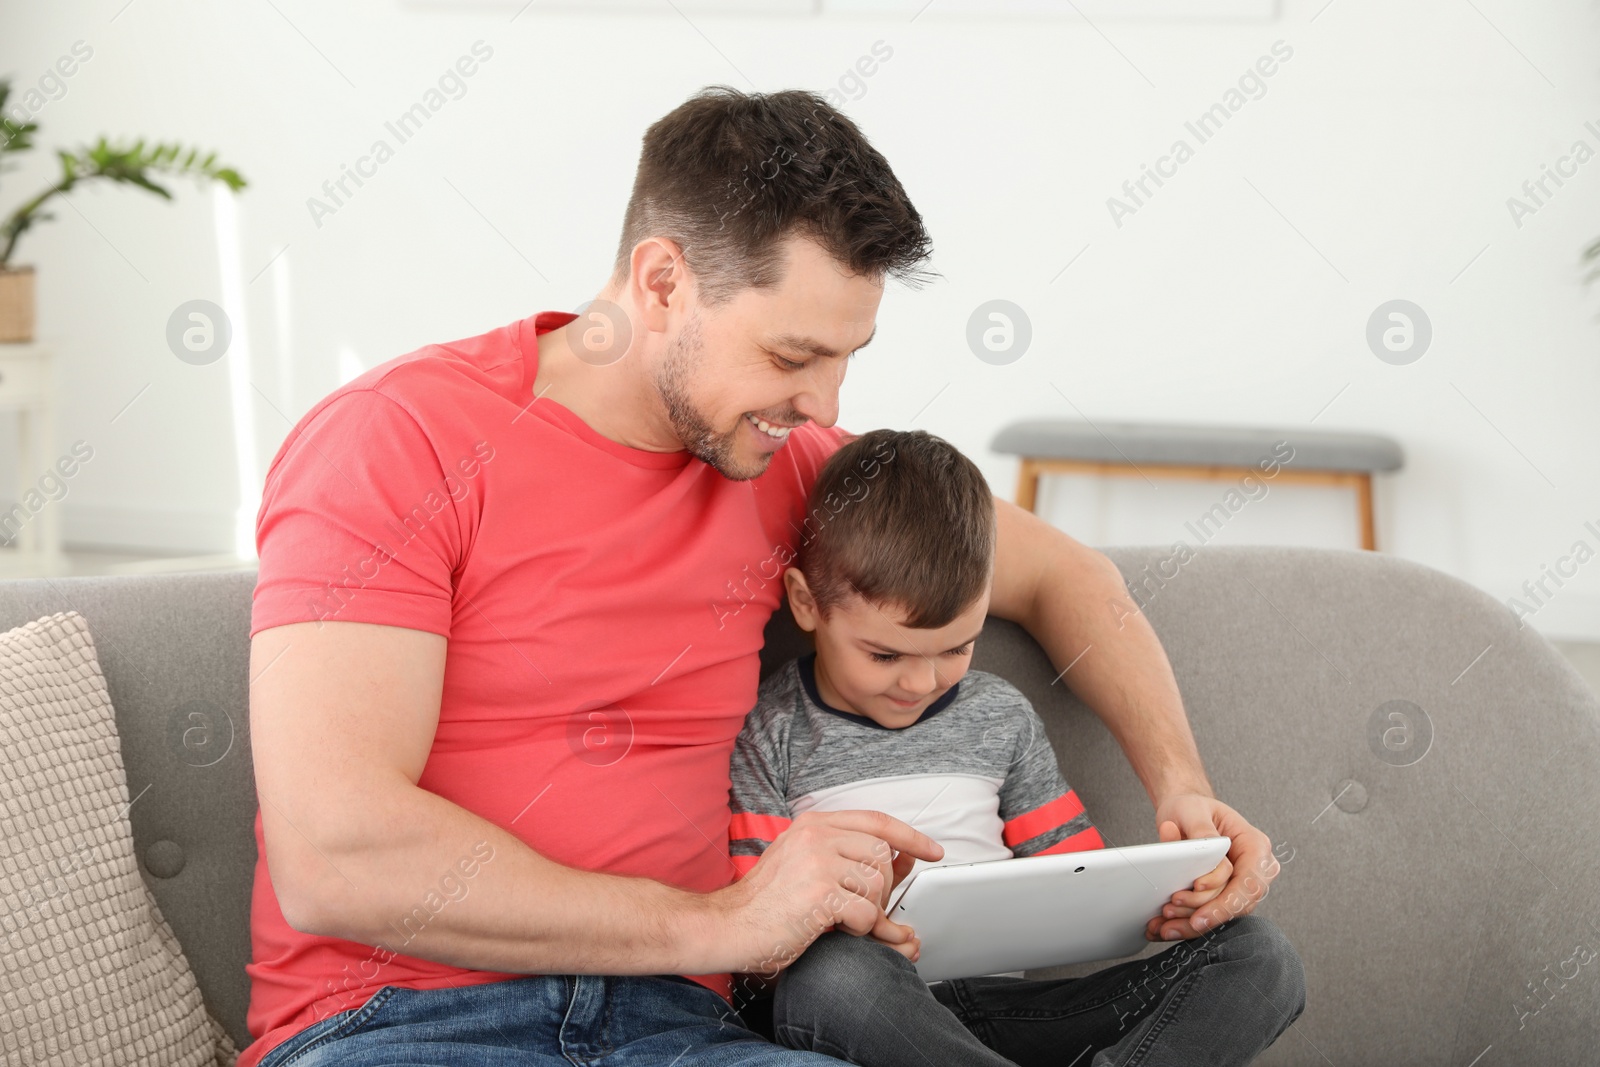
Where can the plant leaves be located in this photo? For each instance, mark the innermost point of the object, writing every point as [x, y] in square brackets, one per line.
[138, 164]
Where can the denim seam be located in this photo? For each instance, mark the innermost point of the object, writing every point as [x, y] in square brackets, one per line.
[360, 1017]
[605, 1016]
[570, 982]
[1204, 945]
[1167, 1012]
[803, 1039]
[1162, 959]
[980, 1026]
[1034, 1016]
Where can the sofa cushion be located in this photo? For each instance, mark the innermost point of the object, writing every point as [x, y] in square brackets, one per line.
[90, 972]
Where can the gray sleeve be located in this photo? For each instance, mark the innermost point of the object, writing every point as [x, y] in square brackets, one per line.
[758, 779]
[1042, 814]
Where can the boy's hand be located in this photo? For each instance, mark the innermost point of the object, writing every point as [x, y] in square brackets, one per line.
[897, 936]
[910, 948]
[1185, 901]
[826, 869]
[1191, 912]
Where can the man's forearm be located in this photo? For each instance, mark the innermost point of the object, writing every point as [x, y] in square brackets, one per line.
[1083, 616]
[401, 883]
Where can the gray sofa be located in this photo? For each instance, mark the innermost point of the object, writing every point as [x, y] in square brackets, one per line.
[1447, 907]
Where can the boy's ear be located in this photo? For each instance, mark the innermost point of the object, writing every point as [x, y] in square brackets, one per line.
[801, 604]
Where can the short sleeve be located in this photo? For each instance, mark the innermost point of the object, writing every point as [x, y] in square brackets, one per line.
[757, 795]
[358, 522]
[1042, 814]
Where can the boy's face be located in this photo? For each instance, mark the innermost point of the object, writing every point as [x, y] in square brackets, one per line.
[871, 663]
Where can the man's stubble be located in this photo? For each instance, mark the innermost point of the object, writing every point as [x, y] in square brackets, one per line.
[684, 357]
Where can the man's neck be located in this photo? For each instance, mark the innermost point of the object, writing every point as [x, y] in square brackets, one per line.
[614, 400]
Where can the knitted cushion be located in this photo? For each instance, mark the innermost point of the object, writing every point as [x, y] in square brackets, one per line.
[90, 973]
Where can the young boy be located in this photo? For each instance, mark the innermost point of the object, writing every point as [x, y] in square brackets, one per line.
[893, 583]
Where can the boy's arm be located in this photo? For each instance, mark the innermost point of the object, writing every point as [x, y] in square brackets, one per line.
[758, 797]
[1042, 813]
[757, 777]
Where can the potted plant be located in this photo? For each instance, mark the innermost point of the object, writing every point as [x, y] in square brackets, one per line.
[136, 164]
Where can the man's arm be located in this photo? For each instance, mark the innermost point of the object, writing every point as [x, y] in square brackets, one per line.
[342, 717]
[1074, 603]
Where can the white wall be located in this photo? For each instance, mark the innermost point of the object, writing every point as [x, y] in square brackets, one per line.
[1377, 165]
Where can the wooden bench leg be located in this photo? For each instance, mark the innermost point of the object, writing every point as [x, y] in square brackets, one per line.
[1027, 485]
[1032, 470]
[1369, 533]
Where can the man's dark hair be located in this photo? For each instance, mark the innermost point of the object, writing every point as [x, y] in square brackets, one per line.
[904, 520]
[730, 175]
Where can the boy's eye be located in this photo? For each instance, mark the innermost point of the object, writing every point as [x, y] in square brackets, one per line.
[890, 657]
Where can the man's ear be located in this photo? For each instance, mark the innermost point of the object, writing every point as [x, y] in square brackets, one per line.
[801, 604]
[657, 280]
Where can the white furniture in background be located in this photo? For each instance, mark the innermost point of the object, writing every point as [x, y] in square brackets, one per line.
[30, 541]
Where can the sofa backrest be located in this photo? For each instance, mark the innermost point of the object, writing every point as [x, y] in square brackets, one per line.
[175, 653]
[1444, 896]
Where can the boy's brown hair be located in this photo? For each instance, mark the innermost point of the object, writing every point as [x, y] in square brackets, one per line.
[902, 519]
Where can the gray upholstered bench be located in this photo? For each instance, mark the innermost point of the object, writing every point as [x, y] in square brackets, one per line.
[1216, 453]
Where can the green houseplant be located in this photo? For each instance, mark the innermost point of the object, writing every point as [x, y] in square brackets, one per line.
[136, 164]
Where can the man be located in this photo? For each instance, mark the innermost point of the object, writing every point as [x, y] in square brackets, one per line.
[511, 598]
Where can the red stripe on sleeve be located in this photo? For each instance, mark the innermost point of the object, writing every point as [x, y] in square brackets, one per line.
[742, 865]
[1082, 841]
[760, 827]
[1063, 809]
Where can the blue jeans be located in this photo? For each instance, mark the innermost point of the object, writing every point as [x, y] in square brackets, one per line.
[549, 1020]
[1220, 998]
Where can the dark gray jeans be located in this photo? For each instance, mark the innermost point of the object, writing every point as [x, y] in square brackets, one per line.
[1220, 998]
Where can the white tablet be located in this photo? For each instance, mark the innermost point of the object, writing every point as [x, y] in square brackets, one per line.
[1046, 911]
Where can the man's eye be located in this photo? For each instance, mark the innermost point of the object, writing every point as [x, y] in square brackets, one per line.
[788, 364]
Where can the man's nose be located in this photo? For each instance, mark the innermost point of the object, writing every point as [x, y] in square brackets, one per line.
[820, 401]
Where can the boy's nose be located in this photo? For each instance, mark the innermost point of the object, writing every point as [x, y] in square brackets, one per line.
[921, 679]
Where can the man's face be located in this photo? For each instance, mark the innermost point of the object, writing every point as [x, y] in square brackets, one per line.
[871, 663]
[777, 355]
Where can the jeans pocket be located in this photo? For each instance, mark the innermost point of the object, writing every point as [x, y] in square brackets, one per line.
[333, 1027]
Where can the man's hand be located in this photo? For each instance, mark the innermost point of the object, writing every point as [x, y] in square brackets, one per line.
[1234, 887]
[827, 868]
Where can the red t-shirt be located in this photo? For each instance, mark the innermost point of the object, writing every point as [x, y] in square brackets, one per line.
[604, 607]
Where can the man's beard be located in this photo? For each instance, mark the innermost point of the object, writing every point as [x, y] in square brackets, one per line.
[716, 450]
